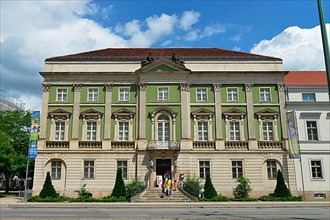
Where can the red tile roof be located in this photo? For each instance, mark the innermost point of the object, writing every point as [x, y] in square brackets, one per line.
[141, 53]
[306, 78]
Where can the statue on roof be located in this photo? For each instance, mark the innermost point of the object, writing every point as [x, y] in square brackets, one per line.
[175, 59]
[147, 60]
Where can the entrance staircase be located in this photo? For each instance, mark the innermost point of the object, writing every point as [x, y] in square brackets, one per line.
[156, 195]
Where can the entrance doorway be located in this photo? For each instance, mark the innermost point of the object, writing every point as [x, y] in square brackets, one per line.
[162, 166]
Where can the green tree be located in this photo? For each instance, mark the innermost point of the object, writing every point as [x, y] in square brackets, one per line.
[48, 189]
[16, 126]
[119, 189]
[209, 190]
[7, 158]
[281, 190]
[243, 188]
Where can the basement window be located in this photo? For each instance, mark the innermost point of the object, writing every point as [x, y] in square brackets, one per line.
[320, 196]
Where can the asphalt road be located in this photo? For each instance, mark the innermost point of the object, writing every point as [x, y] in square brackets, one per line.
[137, 213]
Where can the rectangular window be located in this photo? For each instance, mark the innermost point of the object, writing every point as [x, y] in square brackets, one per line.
[162, 94]
[267, 131]
[204, 168]
[91, 131]
[123, 166]
[234, 132]
[61, 95]
[232, 94]
[123, 131]
[202, 131]
[316, 169]
[93, 94]
[89, 169]
[123, 94]
[59, 131]
[201, 94]
[271, 169]
[56, 170]
[265, 94]
[237, 168]
[312, 131]
[308, 97]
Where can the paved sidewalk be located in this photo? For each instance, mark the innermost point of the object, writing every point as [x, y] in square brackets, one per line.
[15, 202]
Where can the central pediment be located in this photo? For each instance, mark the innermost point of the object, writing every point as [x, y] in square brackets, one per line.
[163, 66]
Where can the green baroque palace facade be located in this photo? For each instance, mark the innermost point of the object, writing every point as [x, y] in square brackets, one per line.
[146, 111]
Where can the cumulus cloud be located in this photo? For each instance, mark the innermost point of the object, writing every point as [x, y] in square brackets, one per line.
[300, 49]
[34, 30]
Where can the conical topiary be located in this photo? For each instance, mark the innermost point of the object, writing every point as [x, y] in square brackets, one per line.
[281, 189]
[119, 189]
[209, 190]
[48, 189]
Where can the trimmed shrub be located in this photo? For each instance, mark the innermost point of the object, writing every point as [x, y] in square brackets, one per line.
[83, 193]
[48, 190]
[209, 190]
[119, 189]
[281, 189]
[272, 198]
[243, 188]
[134, 188]
[193, 186]
[218, 198]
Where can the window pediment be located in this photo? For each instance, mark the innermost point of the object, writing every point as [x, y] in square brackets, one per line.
[91, 114]
[267, 114]
[165, 110]
[234, 114]
[163, 65]
[123, 114]
[59, 114]
[202, 113]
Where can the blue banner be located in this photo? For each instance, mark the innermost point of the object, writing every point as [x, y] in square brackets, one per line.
[35, 126]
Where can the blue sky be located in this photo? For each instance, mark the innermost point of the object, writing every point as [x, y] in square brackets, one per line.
[34, 30]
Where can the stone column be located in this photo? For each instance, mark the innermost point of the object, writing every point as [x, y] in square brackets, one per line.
[219, 142]
[75, 117]
[43, 116]
[281, 96]
[106, 145]
[151, 174]
[253, 144]
[185, 117]
[142, 117]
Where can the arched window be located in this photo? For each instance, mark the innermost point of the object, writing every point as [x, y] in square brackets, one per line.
[163, 128]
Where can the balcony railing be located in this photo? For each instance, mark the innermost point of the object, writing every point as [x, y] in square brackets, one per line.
[57, 144]
[236, 145]
[90, 144]
[163, 145]
[204, 145]
[123, 144]
[270, 145]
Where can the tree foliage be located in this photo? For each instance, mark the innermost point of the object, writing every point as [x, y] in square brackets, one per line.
[48, 190]
[243, 188]
[193, 186]
[281, 190]
[7, 158]
[119, 189]
[209, 190]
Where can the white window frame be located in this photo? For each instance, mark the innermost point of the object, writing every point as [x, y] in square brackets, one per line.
[201, 94]
[203, 134]
[230, 94]
[61, 96]
[163, 94]
[267, 131]
[234, 132]
[56, 169]
[123, 164]
[263, 94]
[308, 95]
[59, 133]
[271, 169]
[92, 94]
[311, 168]
[313, 128]
[205, 167]
[89, 169]
[91, 134]
[236, 167]
[123, 130]
[123, 94]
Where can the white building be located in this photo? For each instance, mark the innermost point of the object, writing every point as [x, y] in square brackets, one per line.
[308, 97]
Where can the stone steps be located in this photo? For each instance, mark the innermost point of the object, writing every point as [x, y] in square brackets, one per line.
[156, 195]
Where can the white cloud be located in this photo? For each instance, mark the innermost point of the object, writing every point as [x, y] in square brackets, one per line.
[300, 49]
[188, 19]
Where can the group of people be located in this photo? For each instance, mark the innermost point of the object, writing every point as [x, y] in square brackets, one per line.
[168, 185]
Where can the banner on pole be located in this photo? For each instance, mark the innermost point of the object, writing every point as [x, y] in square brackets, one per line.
[293, 135]
[35, 126]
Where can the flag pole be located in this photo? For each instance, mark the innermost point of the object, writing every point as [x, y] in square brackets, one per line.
[325, 42]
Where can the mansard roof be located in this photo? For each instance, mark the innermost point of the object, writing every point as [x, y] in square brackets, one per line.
[138, 54]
